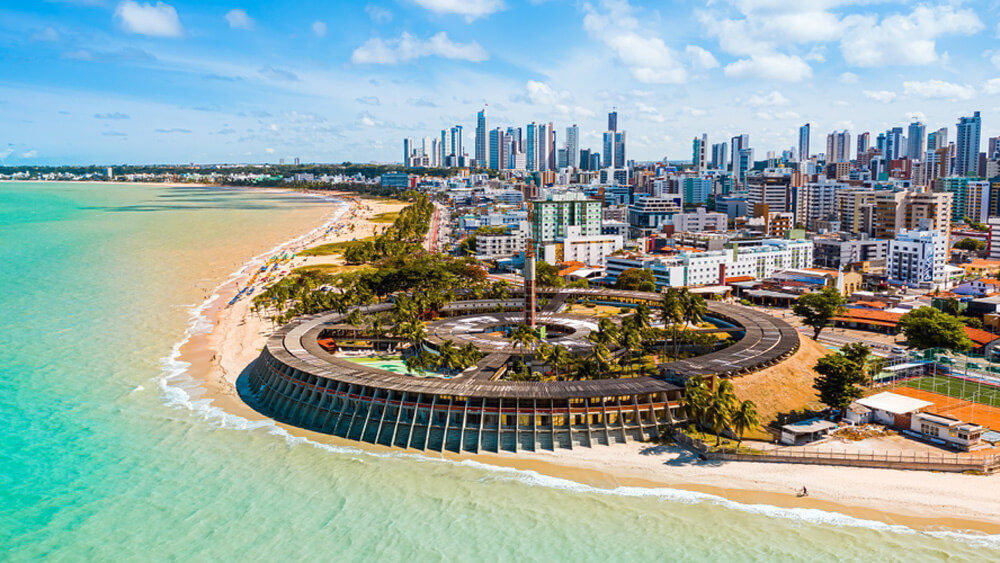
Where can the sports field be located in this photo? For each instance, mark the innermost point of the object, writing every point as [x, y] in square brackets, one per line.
[971, 402]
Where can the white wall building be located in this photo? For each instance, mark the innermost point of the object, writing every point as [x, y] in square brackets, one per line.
[700, 220]
[917, 259]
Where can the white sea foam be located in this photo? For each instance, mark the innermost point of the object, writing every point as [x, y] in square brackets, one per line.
[180, 390]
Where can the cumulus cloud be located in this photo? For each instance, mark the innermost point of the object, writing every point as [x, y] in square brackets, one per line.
[156, 20]
[647, 56]
[319, 28]
[470, 9]
[701, 57]
[29, 154]
[541, 93]
[378, 14]
[883, 96]
[409, 47]
[992, 86]
[904, 39]
[775, 98]
[239, 19]
[939, 90]
[786, 68]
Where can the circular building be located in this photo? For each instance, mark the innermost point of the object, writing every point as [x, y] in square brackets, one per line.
[298, 381]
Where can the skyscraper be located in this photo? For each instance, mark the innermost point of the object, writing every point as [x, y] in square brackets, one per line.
[864, 142]
[613, 120]
[737, 144]
[457, 148]
[915, 140]
[719, 156]
[620, 138]
[992, 148]
[573, 146]
[699, 152]
[543, 146]
[609, 148]
[894, 148]
[967, 157]
[497, 143]
[532, 148]
[482, 139]
[804, 143]
[407, 151]
[443, 156]
[937, 139]
[838, 146]
[742, 165]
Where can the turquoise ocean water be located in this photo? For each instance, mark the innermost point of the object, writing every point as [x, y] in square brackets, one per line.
[106, 452]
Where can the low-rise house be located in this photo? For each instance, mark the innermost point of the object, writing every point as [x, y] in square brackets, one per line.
[806, 431]
[892, 409]
[947, 430]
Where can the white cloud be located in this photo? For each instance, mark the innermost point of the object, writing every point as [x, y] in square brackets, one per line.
[848, 78]
[471, 9]
[775, 98]
[239, 19]
[319, 28]
[904, 39]
[883, 96]
[701, 57]
[269, 150]
[992, 86]
[159, 20]
[764, 26]
[693, 112]
[915, 116]
[409, 47]
[786, 68]
[648, 57]
[378, 14]
[543, 94]
[939, 90]
[29, 154]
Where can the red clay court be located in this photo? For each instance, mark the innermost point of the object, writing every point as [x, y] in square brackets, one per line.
[967, 411]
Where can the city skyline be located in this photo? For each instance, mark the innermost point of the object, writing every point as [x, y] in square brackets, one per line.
[136, 82]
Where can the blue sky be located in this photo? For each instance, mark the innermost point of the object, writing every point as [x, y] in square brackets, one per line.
[111, 81]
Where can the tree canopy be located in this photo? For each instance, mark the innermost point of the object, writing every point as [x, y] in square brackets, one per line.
[971, 244]
[636, 279]
[842, 373]
[818, 308]
[927, 327]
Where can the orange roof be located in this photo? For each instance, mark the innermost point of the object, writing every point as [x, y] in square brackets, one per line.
[735, 279]
[865, 315]
[871, 304]
[569, 270]
[980, 337]
[988, 281]
[873, 323]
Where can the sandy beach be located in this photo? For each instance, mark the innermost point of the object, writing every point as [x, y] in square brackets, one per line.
[921, 500]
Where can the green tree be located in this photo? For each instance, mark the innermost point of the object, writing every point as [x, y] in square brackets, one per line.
[744, 418]
[672, 313]
[547, 275]
[861, 354]
[818, 308]
[927, 327]
[696, 399]
[633, 278]
[839, 380]
[970, 244]
[522, 337]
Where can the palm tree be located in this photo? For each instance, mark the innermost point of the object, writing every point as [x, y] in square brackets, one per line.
[693, 307]
[600, 356]
[560, 358]
[696, 399]
[523, 337]
[642, 318]
[672, 313]
[631, 342]
[449, 356]
[354, 318]
[744, 418]
[721, 409]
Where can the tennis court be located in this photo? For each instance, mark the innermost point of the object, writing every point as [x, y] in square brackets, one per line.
[970, 403]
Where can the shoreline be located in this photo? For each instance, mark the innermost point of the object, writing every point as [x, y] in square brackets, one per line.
[215, 358]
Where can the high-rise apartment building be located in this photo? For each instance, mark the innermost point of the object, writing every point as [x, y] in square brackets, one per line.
[742, 166]
[497, 158]
[736, 144]
[482, 139]
[915, 141]
[573, 146]
[856, 210]
[864, 143]
[804, 143]
[699, 153]
[613, 120]
[838, 146]
[719, 156]
[407, 152]
[993, 148]
[893, 144]
[771, 189]
[967, 157]
[531, 150]
[937, 139]
[551, 218]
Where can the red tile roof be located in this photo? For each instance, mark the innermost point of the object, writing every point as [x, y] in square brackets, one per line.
[980, 337]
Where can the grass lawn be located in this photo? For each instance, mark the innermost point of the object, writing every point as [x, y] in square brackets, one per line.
[326, 269]
[388, 217]
[332, 248]
[966, 390]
